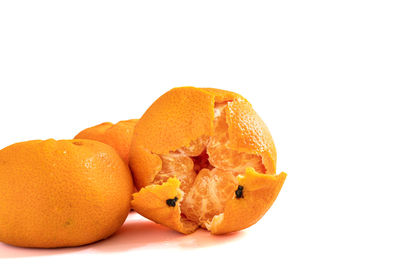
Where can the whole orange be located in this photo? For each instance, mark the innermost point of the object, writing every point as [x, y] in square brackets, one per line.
[118, 135]
[62, 193]
[202, 157]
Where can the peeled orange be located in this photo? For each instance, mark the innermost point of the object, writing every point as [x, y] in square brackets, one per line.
[202, 157]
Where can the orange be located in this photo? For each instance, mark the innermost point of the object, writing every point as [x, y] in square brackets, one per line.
[202, 157]
[118, 135]
[62, 193]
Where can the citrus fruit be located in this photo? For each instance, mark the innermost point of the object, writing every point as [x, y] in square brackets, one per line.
[118, 135]
[202, 157]
[62, 193]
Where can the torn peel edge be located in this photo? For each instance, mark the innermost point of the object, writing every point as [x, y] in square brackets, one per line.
[145, 166]
[151, 202]
[259, 193]
[216, 104]
[154, 162]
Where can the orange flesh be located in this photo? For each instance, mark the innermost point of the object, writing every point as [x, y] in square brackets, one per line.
[208, 170]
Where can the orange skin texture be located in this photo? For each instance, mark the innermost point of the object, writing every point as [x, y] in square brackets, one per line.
[185, 114]
[259, 193]
[62, 193]
[118, 135]
[153, 198]
[248, 133]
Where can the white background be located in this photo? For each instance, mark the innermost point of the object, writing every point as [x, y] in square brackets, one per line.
[324, 76]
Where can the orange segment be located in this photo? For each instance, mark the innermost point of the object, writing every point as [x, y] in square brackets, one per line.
[178, 165]
[220, 156]
[195, 148]
[208, 195]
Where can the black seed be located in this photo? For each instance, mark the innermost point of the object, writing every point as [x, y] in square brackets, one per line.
[172, 201]
[239, 192]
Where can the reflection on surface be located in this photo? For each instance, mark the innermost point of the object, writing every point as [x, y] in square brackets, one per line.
[137, 232]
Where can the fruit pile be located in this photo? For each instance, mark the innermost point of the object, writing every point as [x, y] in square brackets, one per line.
[199, 157]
